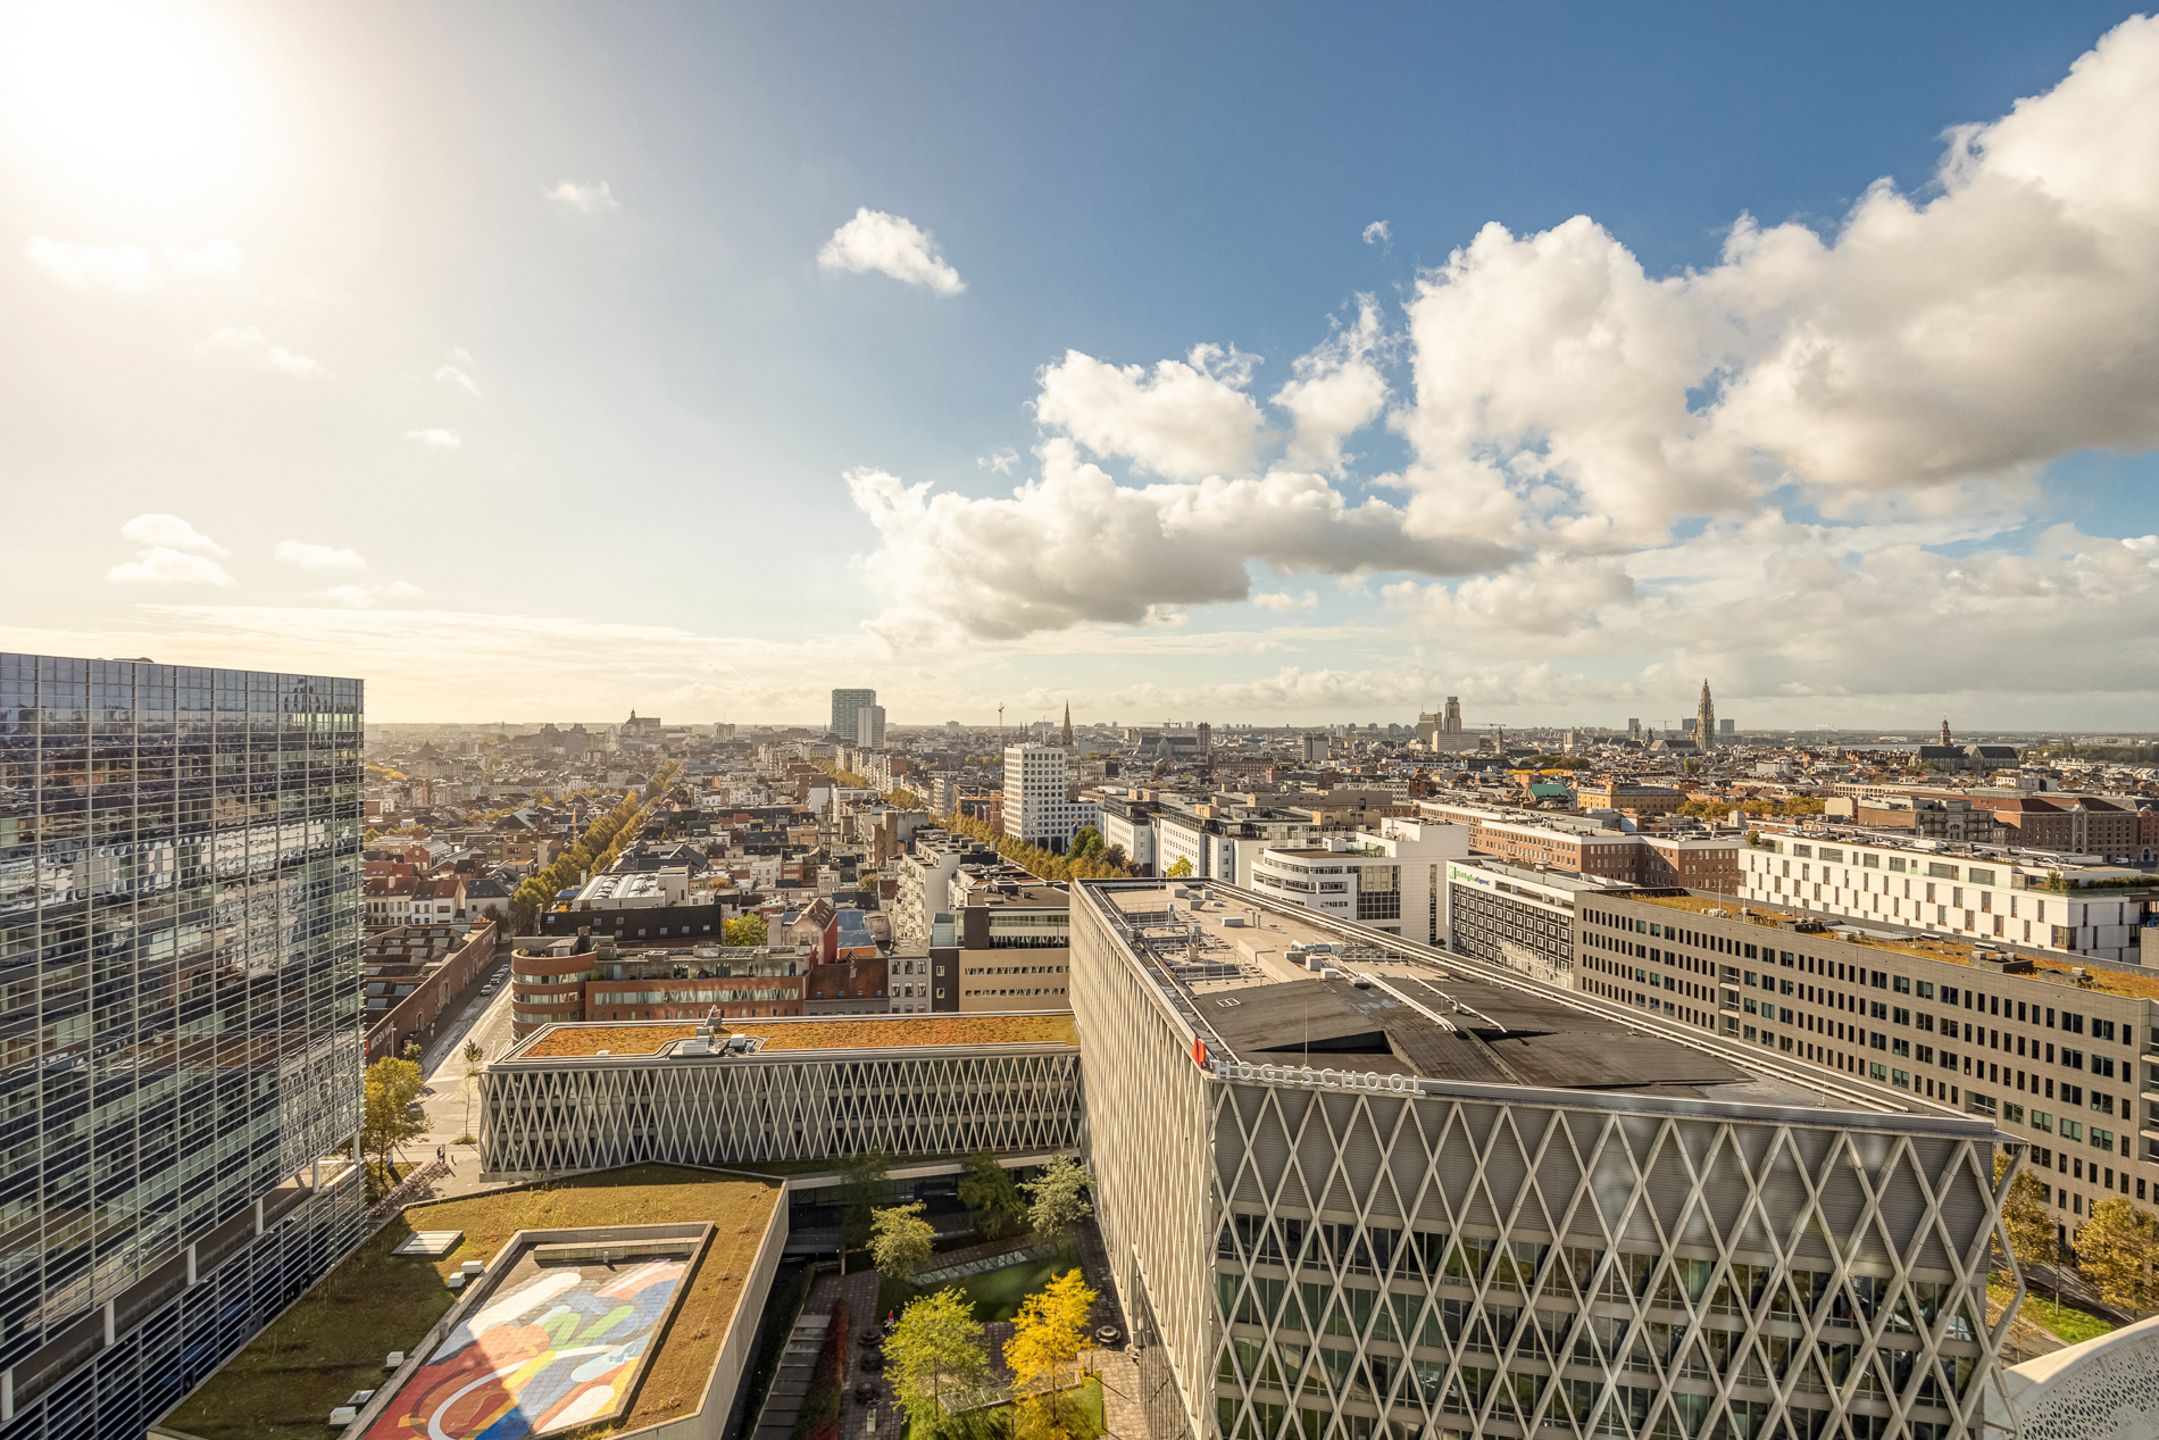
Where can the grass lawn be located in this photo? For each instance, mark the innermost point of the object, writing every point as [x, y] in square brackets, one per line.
[2065, 1323]
[995, 1423]
[331, 1341]
[997, 1293]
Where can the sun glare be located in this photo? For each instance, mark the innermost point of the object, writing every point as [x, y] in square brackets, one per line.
[131, 106]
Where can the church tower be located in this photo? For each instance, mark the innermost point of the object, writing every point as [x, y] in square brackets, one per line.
[1068, 725]
[1705, 720]
[1945, 741]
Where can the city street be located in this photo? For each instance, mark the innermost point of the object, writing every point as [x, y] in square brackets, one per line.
[485, 1019]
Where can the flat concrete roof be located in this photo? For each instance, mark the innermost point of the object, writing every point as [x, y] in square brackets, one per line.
[1919, 944]
[1404, 1009]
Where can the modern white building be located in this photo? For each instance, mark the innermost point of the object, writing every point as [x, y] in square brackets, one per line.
[1223, 842]
[924, 880]
[1039, 807]
[1391, 879]
[1974, 892]
[870, 727]
[1129, 823]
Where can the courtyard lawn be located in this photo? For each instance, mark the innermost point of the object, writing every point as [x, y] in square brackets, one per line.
[995, 1423]
[997, 1293]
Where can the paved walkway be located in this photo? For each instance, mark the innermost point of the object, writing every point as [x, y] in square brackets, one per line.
[790, 1388]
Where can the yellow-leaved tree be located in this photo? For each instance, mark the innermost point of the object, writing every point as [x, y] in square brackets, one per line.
[1043, 1355]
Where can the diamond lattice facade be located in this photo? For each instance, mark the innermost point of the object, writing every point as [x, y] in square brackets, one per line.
[179, 1022]
[544, 1113]
[1356, 1189]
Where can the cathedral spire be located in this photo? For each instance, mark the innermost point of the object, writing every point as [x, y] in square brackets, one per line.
[1068, 725]
[1705, 719]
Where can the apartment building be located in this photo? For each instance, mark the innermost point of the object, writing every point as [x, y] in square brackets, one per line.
[1976, 893]
[1431, 1198]
[179, 1023]
[1586, 845]
[585, 977]
[1129, 822]
[924, 880]
[2064, 1057]
[1038, 803]
[1631, 797]
[1004, 946]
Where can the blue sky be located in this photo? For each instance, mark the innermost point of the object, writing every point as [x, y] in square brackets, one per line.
[240, 246]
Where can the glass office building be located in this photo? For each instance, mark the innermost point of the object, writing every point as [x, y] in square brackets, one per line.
[179, 1022]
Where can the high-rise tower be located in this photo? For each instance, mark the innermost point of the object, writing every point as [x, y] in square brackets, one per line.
[847, 708]
[180, 997]
[1705, 720]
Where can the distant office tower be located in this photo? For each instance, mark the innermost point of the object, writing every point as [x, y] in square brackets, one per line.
[1634, 728]
[1315, 749]
[846, 706]
[1727, 729]
[179, 1022]
[870, 727]
[1451, 723]
[1705, 720]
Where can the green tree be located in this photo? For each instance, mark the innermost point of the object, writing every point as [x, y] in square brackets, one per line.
[1179, 870]
[473, 1055]
[1086, 843]
[936, 1356]
[986, 1189]
[1057, 1200]
[1048, 1336]
[392, 1087]
[2116, 1250]
[862, 1183]
[2027, 1217]
[901, 1241]
[748, 928]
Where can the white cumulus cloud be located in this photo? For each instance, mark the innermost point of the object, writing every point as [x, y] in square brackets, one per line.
[1182, 419]
[582, 197]
[2005, 317]
[1379, 232]
[435, 437]
[1283, 601]
[1338, 390]
[169, 552]
[885, 244]
[1073, 545]
[306, 555]
[127, 269]
[250, 344]
[360, 597]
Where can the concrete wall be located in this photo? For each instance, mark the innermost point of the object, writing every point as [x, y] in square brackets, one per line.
[2104, 1389]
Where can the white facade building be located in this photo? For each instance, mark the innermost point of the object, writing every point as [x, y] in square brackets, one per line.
[1039, 807]
[1390, 879]
[1966, 891]
[870, 727]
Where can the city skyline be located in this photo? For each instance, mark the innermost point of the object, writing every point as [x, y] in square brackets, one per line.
[418, 350]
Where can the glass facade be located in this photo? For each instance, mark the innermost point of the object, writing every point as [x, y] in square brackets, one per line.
[179, 1014]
